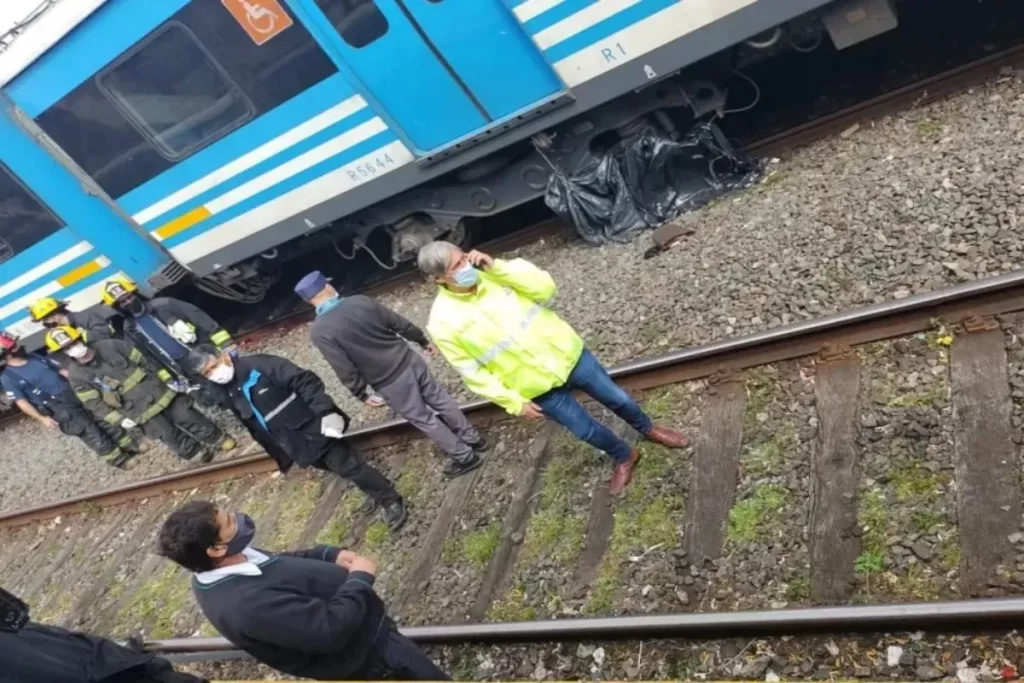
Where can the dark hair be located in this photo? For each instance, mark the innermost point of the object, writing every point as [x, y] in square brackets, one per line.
[188, 532]
[200, 356]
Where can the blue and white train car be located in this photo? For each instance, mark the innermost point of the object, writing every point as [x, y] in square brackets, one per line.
[210, 139]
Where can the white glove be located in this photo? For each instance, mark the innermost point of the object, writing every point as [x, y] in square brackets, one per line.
[332, 426]
[128, 424]
[183, 332]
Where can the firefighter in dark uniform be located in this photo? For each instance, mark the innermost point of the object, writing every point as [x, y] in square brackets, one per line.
[115, 381]
[34, 653]
[38, 388]
[166, 329]
[288, 412]
[94, 323]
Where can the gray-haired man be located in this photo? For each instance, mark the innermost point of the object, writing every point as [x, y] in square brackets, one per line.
[365, 343]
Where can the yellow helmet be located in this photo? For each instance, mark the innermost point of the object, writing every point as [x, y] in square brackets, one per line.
[61, 337]
[117, 289]
[44, 307]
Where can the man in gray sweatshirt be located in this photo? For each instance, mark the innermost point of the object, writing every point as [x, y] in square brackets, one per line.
[366, 344]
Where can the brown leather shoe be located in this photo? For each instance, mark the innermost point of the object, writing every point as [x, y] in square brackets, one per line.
[668, 437]
[623, 474]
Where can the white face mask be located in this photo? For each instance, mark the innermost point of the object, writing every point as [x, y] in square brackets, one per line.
[77, 351]
[222, 374]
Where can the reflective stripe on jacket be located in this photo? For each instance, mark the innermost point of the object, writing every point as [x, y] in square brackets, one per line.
[502, 338]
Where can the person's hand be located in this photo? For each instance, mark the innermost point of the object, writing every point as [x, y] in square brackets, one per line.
[430, 350]
[48, 422]
[345, 559]
[363, 564]
[480, 259]
[374, 401]
[532, 411]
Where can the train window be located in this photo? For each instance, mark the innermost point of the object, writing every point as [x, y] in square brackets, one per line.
[360, 22]
[104, 139]
[24, 220]
[174, 92]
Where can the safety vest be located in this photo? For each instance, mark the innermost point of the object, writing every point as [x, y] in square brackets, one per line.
[504, 341]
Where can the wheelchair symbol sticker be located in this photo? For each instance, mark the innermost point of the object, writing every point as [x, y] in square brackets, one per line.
[261, 19]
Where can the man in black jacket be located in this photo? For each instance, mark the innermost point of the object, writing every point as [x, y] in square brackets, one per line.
[310, 613]
[287, 410]
[365, 343]
[34, 653]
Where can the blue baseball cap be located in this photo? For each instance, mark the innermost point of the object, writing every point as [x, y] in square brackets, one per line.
[311, 285]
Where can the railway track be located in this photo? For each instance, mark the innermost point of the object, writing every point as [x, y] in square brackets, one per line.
[916, 405]
[869, 457]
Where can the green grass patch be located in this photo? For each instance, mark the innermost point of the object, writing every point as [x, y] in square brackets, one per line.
[873, 517]
[556, 530]
[763, 458]
[377, 534]
[479, 545]
[924, 521]
[928, 128]
[512, 607]
[157, 602]
[751, 517]
[912, 482]
[933, 396]
[294, 514]
[414, 474]
[663, 404]
[869, 563]
[760, 394]
[799, 590]
[644, 519]
[949, 551]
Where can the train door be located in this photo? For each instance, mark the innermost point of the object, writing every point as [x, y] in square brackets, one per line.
[440, 71]
[54, 195]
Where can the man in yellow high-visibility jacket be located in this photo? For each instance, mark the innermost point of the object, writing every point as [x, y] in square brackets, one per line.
[491, 322]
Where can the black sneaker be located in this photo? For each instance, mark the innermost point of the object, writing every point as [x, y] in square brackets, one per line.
[395, 514]
[481, 446]
[456, 468]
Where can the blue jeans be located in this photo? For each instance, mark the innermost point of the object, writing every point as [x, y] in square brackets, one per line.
[590, 376]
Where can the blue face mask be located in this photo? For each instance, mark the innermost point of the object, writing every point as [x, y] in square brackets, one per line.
[245, 531]
[466, 276]
[328, 305]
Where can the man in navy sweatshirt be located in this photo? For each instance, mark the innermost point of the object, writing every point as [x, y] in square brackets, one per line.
[310, 613]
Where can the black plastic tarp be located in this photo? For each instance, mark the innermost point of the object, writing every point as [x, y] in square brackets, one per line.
[647, 179]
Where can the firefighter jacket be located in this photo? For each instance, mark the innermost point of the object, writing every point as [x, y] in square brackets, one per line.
[94, 323]
[502, 338]
[281, 405]
[119, 383]
[169, 311]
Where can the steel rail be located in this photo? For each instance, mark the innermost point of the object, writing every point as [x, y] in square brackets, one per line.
[990, 296]
[945, 616]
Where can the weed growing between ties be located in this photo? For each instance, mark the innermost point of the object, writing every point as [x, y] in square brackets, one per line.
[555, 534]
[909, 540]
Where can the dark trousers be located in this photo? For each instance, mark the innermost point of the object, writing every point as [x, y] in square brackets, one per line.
[399, 659]
[156, 671]
[104, 439]
[590, 376]
[348, 464]
[183, 429]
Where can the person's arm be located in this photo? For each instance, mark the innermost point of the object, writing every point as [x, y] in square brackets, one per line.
[327, 553]
[308, 624]
[207, 329]
[524, 277]
[303, 382]
[478, 379]
[341, 364]
[400, 325]
[30, 410]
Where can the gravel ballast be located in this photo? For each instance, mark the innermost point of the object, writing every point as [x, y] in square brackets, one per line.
[915, 202]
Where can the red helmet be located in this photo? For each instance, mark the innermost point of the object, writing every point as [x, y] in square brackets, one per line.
[7, 343]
